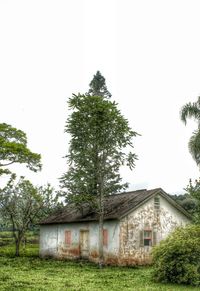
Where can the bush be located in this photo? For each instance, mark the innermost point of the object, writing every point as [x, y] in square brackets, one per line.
[177, 258]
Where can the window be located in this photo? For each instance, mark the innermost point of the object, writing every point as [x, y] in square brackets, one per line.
[157, 203]
[105, 237]
[68, 237]
[147, 237]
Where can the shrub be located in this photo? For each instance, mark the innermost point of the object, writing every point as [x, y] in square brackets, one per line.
[177, 258]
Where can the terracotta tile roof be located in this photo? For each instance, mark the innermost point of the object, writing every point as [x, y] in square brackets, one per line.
[116, 206]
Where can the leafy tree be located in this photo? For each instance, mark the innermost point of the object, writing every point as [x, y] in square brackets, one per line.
[99, 136]
[189, 204]
[193, 191]
[98, 86]
[13, 149]
[186, 201]
[192, 110]
[22, 204]
[177, 258]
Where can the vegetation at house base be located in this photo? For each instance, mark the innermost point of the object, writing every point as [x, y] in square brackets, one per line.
[13, 149]
[177, 258]
[29, 272]
[22, 205]
[192, 110]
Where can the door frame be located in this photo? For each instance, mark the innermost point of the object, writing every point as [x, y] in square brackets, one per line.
[80, 237]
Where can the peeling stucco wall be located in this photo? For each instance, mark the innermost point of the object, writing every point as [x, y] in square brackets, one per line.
[48, 240]
[161, 223]
[52, 240]
[124, 236]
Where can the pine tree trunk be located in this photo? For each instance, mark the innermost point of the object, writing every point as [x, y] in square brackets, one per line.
[101, 257]
[101, 219]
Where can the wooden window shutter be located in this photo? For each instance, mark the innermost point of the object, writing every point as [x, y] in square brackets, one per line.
[105, 237]
[154, 242]
[68, 237]
[141, 238]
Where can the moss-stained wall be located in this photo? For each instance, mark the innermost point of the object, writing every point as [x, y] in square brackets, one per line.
[125, 244]
[52, 241]
[161, 223]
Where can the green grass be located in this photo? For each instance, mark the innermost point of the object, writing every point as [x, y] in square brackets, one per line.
[6, 237]
[31, 273]
[8, 234]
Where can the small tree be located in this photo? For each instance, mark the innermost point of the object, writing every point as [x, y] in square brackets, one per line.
[13, 149]
[100, 135]
[193, 190]
[22, 204]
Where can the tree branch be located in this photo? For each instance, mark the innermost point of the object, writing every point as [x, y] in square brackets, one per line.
[3, 165]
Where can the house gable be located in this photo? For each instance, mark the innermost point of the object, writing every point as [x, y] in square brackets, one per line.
[147, 225]
[159, 192]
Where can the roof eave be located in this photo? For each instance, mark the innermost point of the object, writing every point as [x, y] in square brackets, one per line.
[76, 221]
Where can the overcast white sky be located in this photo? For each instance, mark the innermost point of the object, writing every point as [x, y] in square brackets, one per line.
[149, 53]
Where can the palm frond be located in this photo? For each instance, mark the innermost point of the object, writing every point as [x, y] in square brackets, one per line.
[194, 146]
[190, 110]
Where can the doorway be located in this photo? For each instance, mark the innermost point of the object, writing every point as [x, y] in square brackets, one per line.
[84, 243]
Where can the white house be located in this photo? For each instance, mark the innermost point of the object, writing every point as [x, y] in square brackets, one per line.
[134, 222]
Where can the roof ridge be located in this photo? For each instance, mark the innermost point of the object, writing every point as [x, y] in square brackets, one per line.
[139, 190]
[122, 193]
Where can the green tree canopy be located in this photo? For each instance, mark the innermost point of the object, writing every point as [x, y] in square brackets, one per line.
[186, 201]
[192, 110]
[100, 138]
[22, 205]
[193, 191]
[98, 86]
[13, 149]
[99, 134]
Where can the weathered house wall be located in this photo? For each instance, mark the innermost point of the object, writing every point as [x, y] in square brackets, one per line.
[158, 223]
[48, 240]
[170, 218]
[128, 238]
[52, 240]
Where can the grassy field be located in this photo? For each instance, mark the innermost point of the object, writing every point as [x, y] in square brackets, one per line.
[6, 237]
[28, 272]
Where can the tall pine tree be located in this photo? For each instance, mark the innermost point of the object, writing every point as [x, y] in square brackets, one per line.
[99, 136]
